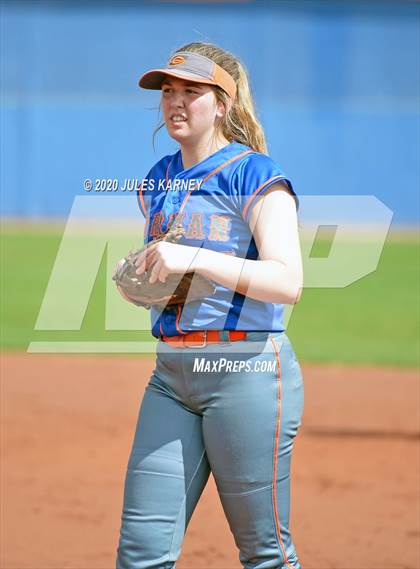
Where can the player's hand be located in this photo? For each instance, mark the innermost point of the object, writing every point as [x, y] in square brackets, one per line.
[165, 258]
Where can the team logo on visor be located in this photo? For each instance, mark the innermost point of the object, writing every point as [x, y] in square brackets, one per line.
[177, 60]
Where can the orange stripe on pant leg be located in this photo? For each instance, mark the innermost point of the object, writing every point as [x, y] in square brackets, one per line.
[276, 449]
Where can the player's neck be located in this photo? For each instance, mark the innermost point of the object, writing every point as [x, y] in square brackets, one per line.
[199, 151]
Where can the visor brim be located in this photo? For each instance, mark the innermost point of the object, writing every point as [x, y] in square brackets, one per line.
[153, 79]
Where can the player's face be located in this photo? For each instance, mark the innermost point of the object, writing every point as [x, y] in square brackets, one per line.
[190, 110]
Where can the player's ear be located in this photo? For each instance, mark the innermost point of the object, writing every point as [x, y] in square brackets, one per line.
[220, 109]
[223, 102]
[223, 108]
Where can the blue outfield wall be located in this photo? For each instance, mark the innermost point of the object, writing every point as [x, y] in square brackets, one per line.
[336, 85]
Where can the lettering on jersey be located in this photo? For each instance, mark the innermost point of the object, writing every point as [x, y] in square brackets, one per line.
[156, 227]
[220, 226]
[195, 226]
[173, 215]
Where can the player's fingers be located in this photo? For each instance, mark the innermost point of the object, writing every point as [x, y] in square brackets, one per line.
[146, 261]
[163, 273]
[155, 272]
[141, 266]
[144, 255]
[151, 258]
[140, 258]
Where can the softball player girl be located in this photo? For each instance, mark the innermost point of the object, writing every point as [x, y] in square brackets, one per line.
[226, 395]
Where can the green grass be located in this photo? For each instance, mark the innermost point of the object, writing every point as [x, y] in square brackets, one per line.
[374, 320]
[27, 259]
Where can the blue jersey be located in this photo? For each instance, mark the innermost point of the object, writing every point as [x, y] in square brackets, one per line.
[224, 188]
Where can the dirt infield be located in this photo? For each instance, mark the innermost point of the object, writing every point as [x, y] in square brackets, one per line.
[67, 424]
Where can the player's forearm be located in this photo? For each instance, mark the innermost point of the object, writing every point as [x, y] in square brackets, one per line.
[267, 281]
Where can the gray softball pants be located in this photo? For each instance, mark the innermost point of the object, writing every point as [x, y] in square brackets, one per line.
[202, 414]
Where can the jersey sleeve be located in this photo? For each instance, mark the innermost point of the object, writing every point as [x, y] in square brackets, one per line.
[252, 178]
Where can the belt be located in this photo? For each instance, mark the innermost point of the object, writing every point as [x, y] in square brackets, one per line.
[201, 338]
